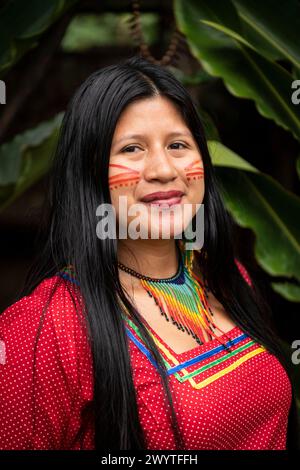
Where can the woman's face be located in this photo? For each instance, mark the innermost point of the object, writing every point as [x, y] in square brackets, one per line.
[153, 150]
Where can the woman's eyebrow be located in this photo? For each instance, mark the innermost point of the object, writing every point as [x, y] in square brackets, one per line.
[140, 136]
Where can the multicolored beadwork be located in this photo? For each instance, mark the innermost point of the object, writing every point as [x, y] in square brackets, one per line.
[182, 298]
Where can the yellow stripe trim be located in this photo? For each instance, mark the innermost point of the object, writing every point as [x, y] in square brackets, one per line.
[214, 377]
[237, 363]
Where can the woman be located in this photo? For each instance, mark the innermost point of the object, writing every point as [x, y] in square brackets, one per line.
[138, 342]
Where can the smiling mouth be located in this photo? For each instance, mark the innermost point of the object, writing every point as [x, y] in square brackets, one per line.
[165, 203]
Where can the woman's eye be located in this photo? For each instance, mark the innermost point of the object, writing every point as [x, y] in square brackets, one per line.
[179, 143]
[129, 147]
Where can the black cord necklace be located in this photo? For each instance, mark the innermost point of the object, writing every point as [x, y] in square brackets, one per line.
[181, 298]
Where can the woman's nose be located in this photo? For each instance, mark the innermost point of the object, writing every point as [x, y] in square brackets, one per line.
[159, 165]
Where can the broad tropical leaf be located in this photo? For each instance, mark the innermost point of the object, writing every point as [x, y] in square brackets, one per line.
[215, 34]
[272, 27]
[21, 24]
[287, 290]
[25, 159]
[258, 202]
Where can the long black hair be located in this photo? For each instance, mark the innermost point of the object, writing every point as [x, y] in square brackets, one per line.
[78, 183]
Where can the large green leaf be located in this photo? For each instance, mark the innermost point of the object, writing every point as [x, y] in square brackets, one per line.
[274, 35]
[258, 202]
[224, 157]
[289, 291]
[25, 159]
[21, 24]
[214, 32]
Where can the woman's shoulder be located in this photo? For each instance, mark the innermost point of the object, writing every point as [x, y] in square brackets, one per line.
[46, 368]
[54, 305]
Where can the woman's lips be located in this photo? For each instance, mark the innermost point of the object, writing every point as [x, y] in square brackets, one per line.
[165, 202]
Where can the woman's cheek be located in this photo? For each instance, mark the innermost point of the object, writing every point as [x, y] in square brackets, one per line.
[194, 170]
[122, 176]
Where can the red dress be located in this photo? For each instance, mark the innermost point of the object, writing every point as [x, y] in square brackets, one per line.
[236, 400]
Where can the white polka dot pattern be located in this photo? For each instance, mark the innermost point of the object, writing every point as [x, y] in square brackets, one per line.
[43, 410]
[247, 408]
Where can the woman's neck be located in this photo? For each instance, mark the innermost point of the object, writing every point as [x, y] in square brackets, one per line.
[153, 258]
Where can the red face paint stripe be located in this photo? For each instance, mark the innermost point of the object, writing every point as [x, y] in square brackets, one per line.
[123, 167]
[124, 177]
[126, 183]
[121, 175]
[194, 169]
[121, 180]
[192, 164]
[191, 173]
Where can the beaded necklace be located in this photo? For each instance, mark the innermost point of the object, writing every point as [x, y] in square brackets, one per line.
[184, 295]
